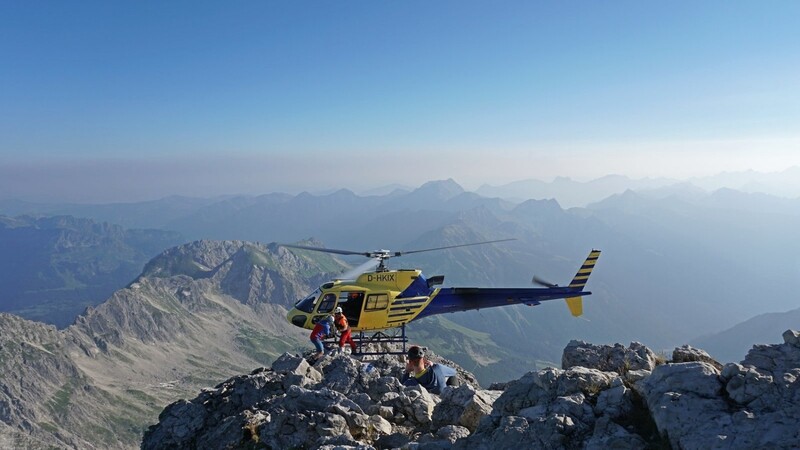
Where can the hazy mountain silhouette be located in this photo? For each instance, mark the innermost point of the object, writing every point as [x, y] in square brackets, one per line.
[147, 214]
[730, 345]
[569, 192]
[785, 183]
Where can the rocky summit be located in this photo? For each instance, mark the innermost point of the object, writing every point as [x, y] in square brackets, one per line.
[602, 397]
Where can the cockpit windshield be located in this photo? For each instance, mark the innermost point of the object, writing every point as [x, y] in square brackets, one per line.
[307, 304]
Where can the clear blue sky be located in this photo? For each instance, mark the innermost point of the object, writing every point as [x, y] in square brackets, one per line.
[307, 95]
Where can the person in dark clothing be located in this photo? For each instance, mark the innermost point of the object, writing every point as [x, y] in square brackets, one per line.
[419, 371]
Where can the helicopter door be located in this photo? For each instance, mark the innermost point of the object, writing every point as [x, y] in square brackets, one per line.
[351, 303]
[375, 311]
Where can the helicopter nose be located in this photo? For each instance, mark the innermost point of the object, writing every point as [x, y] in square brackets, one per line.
[296, 318]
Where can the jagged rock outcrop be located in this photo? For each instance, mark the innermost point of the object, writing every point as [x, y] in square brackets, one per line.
[628, 400]
[755, 404]
[250, 272]
[338, 401]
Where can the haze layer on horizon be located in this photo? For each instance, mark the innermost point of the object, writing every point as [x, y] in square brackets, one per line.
[125, 102]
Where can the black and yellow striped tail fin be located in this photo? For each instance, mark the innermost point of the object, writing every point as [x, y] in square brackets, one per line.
[586, 269]
[575, 304]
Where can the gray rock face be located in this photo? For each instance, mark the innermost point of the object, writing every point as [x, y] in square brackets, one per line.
[755, 404]
[38, 381]
[632, 405]
[556, 408]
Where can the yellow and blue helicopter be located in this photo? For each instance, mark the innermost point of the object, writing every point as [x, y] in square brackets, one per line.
[383, 299]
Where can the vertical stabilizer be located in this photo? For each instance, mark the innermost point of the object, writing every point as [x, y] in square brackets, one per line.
[575, 305]
[586, 269]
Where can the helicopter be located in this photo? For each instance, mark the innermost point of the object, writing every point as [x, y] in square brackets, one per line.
[382, 299]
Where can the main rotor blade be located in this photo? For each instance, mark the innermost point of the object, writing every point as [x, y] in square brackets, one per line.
[385, 254]
[452, 246]
[327, 250]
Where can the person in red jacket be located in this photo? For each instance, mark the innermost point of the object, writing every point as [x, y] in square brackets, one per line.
[321, 330]
[343, 328]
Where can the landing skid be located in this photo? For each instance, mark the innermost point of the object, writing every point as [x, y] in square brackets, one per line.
[380, 342]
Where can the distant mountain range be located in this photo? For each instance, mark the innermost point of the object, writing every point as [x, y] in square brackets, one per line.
[571, 193]
[52, 268]
[678, 262]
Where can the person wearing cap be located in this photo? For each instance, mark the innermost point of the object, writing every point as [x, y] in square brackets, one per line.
[343, 328]
[420, 371]
[321, 330]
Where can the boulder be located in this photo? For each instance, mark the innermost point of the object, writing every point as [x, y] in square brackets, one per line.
[608, 358]
[792, 337]
[417, 404]
[687, 353]
[463, 405]
[452, 433]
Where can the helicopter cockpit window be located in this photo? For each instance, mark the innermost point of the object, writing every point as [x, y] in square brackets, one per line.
[377, 301]
[327, 304]
[307, 304]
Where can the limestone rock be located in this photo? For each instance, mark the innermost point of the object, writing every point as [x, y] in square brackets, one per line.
[632, 405]
[749, 405]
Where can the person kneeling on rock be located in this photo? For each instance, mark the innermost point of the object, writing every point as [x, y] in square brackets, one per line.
[431, 376]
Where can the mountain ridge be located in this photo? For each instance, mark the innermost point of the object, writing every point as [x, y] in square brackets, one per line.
[147, 344]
